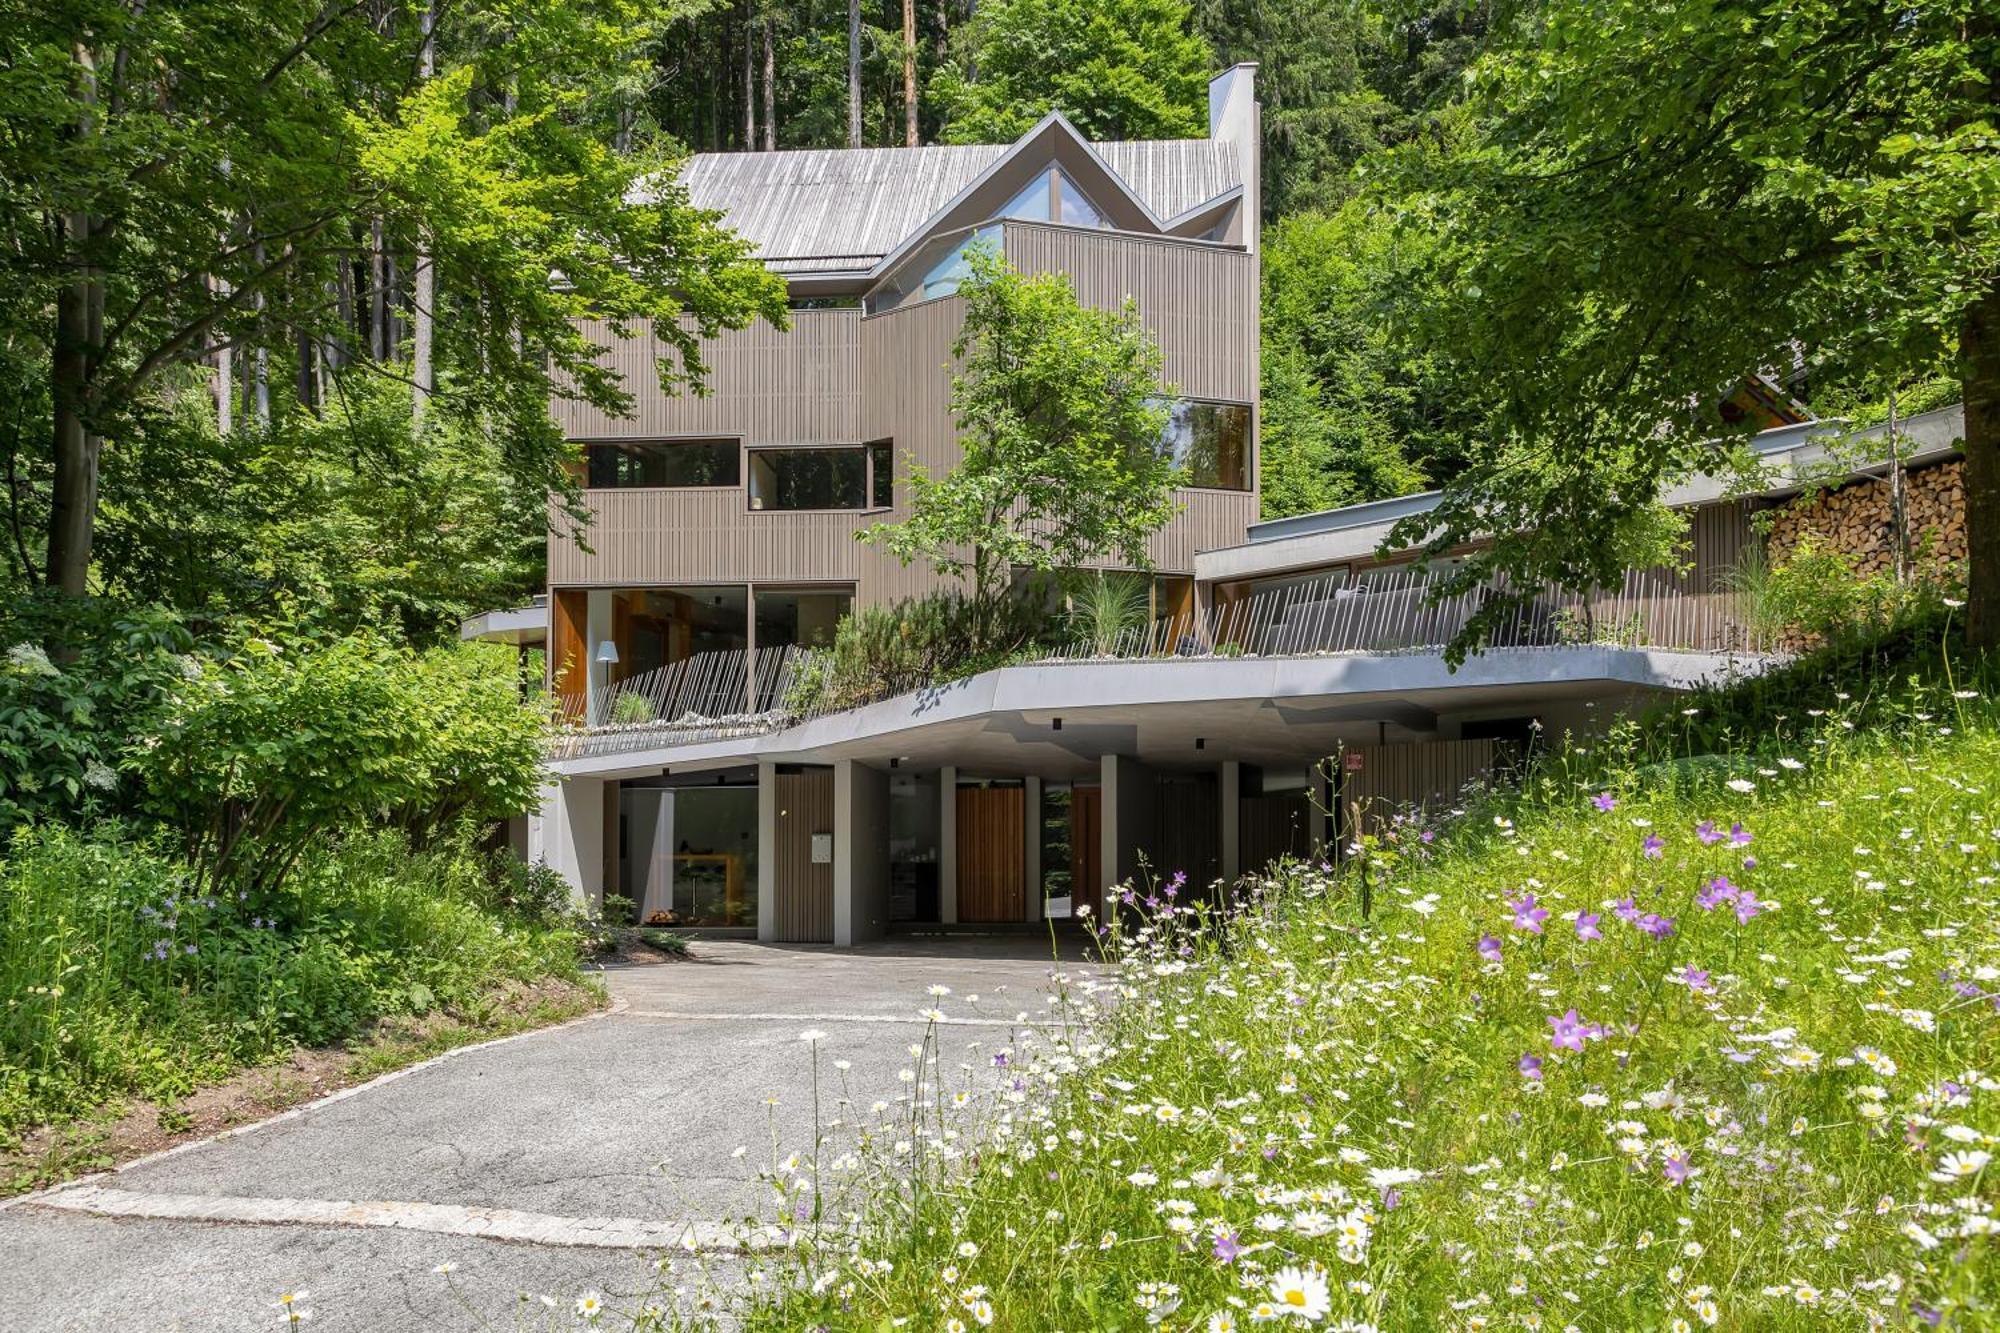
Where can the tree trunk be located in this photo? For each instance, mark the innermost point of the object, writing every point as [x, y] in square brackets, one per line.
[1979, 356]
[910, 73]
[749, 85]
[378, 293]
[770, 90]
[73, 501]
[853, 73]
[424, 298]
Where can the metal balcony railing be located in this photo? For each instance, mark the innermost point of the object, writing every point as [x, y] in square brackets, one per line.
[721, 695]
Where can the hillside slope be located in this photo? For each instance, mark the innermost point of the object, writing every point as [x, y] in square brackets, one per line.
[1661, 1046]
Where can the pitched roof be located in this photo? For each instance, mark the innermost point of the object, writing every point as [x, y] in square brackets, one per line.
[834, 209]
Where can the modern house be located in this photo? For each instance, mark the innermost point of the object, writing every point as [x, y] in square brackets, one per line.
[1288, 678]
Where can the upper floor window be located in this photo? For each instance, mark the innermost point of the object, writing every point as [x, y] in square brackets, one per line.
[1210, 442]
[839, 476]
[934, 270]
[1053, 197]
[634, 463]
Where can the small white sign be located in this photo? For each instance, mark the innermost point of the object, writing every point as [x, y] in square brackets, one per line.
[822, 849]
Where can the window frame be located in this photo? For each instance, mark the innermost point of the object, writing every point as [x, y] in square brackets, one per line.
[595, 442]
[865, 448]
[1249, 486]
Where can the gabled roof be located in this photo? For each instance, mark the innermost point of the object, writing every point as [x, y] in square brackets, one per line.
[845, 209]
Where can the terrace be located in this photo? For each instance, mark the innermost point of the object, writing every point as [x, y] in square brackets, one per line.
[714, 699]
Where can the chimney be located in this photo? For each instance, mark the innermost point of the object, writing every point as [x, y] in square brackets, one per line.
[1234, 117]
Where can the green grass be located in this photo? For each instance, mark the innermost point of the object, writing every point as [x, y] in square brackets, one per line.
[1778, 1117]
[120, 977]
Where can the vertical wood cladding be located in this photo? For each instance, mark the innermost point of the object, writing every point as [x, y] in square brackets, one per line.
[802, 892]
[837, 378]
[991, 854]
[1391, 777]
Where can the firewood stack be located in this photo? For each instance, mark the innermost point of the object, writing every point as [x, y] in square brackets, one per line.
[1855, 520]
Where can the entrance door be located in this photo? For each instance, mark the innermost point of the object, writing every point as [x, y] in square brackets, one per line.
[1086, 846]
[991, 854]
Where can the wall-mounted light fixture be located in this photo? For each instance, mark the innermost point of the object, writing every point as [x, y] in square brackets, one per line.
[1055, 724]
[1201, 742]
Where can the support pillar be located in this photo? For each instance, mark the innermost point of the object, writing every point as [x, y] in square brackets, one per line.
[573, 835]
[1229, 797]
[1127, 803]
[767, 851]
[948, 845]
[860, 853]
[1031, 848]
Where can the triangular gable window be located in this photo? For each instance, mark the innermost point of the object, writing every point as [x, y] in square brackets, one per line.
[1053, 197]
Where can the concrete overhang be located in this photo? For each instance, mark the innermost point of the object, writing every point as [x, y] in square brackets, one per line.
[1259, 710]
[521, 625]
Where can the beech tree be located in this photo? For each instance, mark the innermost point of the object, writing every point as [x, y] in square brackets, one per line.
[1664, 198]
[1060, 411]
[185, 181]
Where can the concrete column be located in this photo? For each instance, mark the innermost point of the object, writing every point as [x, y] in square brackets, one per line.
[1031, 847]
[948, 844]
[573, 835]
[767, 851]
[860, 853]
[1127, 801]
[1229, 797]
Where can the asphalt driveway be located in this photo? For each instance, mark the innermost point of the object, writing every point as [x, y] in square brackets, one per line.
[545, 1165]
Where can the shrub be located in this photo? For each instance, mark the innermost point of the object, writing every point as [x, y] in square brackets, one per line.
[272, 750]
[1103, 607]
[878, 652]
[120, 975]
[1816, 596]
[78, 676]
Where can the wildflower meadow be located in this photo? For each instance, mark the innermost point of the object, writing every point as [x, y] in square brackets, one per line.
[1654, 1044]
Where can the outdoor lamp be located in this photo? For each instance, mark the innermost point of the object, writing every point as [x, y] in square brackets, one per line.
[607, 653]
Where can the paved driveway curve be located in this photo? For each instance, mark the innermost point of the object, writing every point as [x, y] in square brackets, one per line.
[546, 1164]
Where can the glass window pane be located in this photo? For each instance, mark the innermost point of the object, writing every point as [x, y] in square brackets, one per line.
[688, 854]
[1032, 203]
[1210, 442]
[934, 270]
[808, 479]
[1077, 210]
[805, 619]
[632, 463]
[882, 474]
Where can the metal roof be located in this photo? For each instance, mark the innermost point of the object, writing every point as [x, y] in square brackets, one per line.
[803, 208]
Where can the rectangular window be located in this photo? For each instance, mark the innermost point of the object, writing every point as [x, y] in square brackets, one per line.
[634, 463]
[809, 479]
[805, 619]
[882, 474]
[1210, 442]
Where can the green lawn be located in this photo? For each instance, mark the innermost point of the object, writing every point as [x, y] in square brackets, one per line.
[1659, 1044]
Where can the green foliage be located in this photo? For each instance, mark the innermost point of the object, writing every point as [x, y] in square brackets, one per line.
[1059, 417]
[119, 976]
[1816, 596]
[272, 751]
[1352, 411]
[879, 651]
[1634, 1064]
[1118, 69]
[214, 174]
[1105, 605]
[1664, 199]
[77, 680]
[329, 522]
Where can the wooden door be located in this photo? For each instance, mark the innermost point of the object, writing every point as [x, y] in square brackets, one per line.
[991, 854]
[1086, 847]
[801, 889]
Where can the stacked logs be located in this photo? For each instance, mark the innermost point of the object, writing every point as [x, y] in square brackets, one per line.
[1855, 521]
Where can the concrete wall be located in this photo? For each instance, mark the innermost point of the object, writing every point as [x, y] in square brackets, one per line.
[860, 853]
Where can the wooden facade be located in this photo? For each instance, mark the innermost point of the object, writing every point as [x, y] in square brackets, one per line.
[1391, 778]
[839, 378]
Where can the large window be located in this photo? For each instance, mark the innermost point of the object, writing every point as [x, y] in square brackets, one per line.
[852, 476]
[1053, 197]
[629, 463]
[1210, 442]
[934, 270]
[805, 619]
[808, 479]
